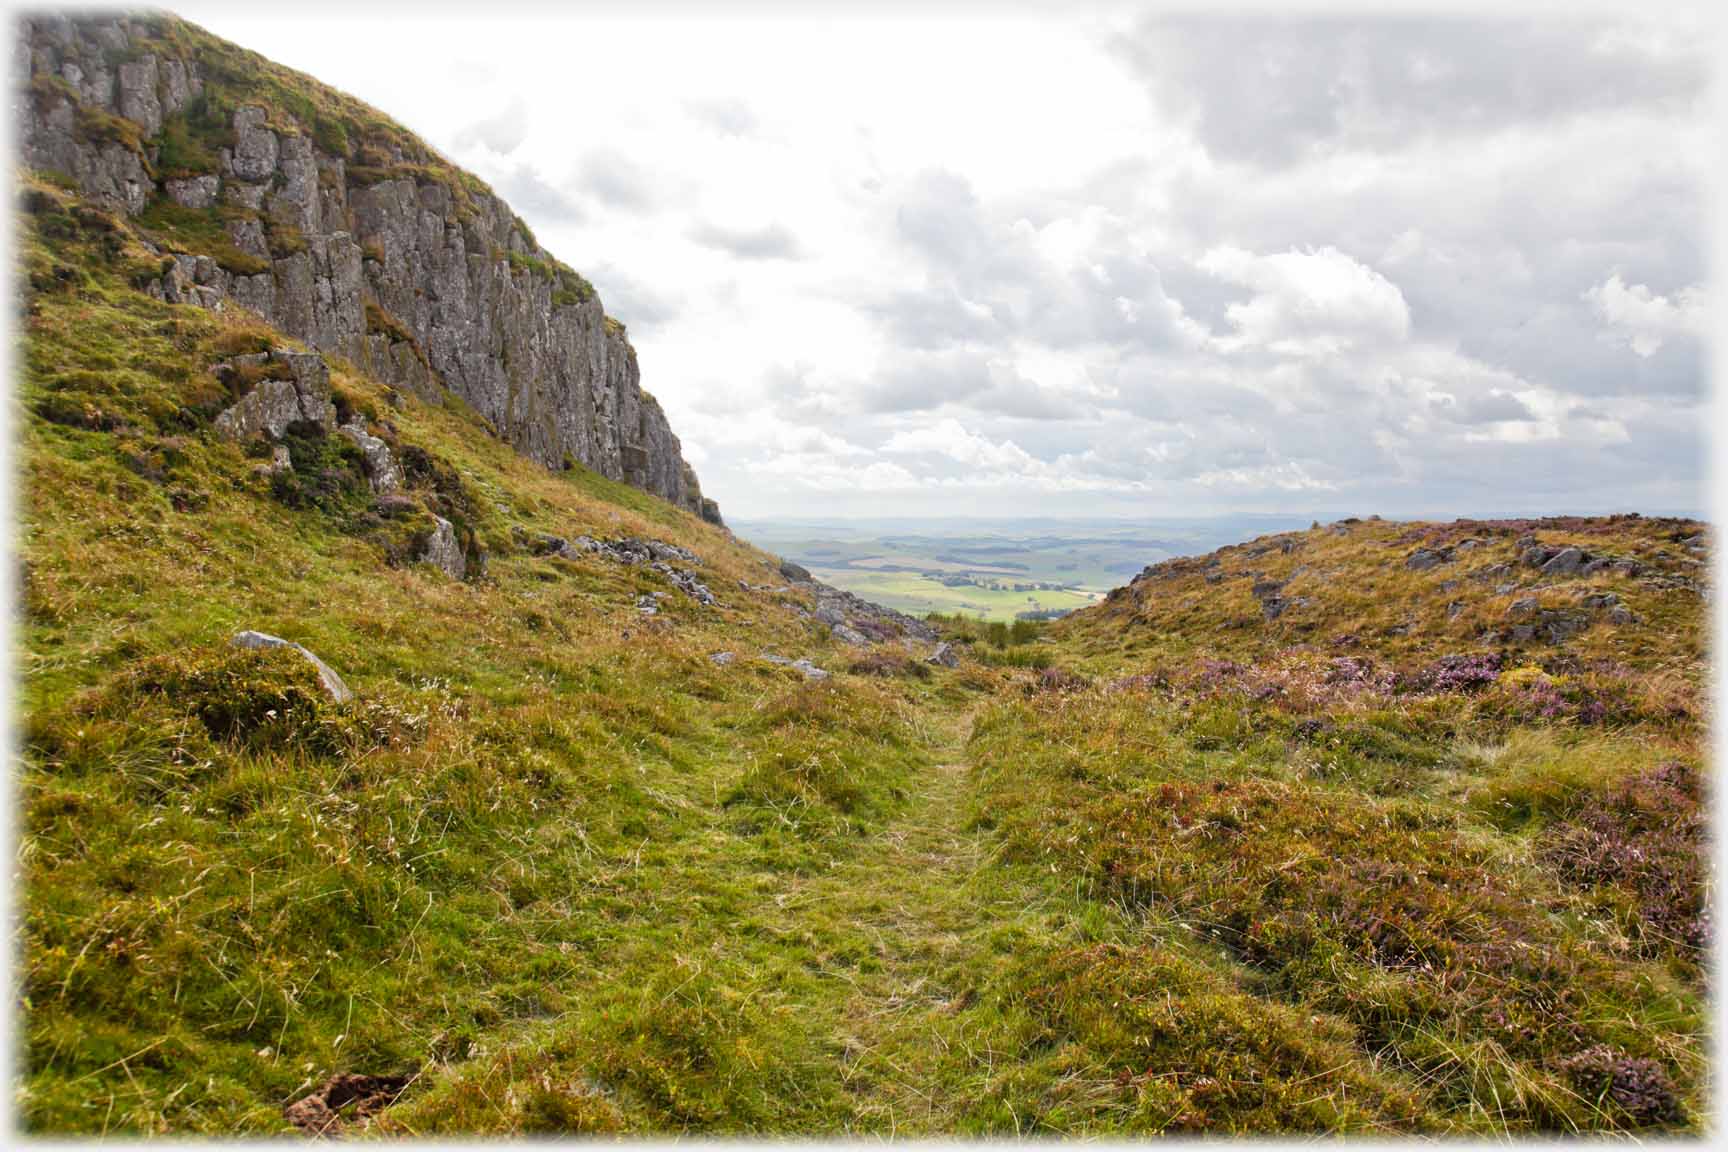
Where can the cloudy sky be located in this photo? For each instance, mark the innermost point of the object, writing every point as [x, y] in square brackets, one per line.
[1101, 261]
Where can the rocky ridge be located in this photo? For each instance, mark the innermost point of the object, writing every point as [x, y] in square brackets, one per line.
[264, 190]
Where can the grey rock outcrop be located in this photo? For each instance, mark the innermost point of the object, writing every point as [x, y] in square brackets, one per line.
[298, 391]
[444, 550]
[332, 683]
[416, 273]
[382, 472]
[657, 555]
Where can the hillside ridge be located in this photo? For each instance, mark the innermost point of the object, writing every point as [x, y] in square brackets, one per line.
[261, 187]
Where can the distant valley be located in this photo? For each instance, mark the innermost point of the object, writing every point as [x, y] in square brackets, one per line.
[996, 569]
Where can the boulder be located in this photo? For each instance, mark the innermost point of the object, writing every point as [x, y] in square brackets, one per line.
[381, 470]
[1566, 562]
[327, 677]
[797, 573]
[945, 656]
[1423, 559]
[722, 659]
[444, 550]
[275, 403]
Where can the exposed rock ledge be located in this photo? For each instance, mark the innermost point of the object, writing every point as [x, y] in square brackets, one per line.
[421, 276]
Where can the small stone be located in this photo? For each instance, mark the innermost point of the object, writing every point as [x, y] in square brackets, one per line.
[945, 656]
[722, 659]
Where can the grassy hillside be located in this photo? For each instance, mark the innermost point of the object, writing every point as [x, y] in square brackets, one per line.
[1318, 857]
[542, 805]
[1392, 861]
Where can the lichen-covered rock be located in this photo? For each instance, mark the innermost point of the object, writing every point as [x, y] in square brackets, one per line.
[302, 394]
[444, 550]
[255, 153]
[197, 192]
[423, 278]
[1566, 562]
[382, 472]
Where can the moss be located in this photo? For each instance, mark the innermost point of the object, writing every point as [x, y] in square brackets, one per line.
[200, 232]
[94, 126]
[190, 141]
[283, 238]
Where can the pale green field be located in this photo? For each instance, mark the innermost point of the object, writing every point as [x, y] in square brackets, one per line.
[911, 593]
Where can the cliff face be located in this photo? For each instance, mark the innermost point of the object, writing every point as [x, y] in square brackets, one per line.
[270, 191]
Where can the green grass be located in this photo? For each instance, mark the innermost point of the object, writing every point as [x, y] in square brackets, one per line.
[1164, 866]
[919, 595]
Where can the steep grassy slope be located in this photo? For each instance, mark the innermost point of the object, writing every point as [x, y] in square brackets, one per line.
[1294, 838]
[542, 805]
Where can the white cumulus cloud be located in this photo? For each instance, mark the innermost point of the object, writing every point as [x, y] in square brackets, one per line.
[1642, 319]
[1305, 301]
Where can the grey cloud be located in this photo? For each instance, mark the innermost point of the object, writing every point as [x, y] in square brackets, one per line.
[933, 318]
[1487, 408]
[916, 380]
[502, 133]
[919, 382]
[640, 305]
[728, 117]
[986, 279]
[769, 242]
[1011, 394]
[533, 195]
[619, 182]
[1271, 90]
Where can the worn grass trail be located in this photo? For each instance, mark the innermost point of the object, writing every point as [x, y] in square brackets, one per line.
[916, 1027]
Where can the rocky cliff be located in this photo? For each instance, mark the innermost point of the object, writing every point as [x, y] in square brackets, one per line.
[267, 190]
